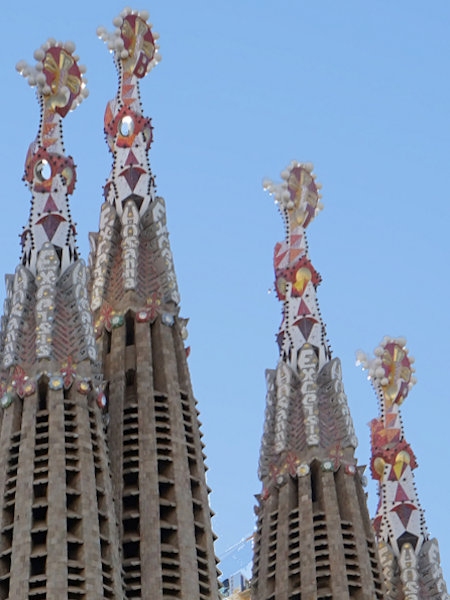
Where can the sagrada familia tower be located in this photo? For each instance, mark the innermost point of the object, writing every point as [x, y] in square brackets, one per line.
[103, 491]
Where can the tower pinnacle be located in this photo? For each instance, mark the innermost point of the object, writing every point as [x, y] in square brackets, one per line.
[157, 462]
[313, 537]
[298, 427]
[410, 559]
[51, 175]
[130, 189]
[50, 272]
[58, 532]
[296, 280]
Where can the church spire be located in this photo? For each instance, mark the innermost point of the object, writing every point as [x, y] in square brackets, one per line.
[58, 532]
[410, 559]
[53, 328]
[157, 461]
[130, 192]
[313, 538]
[50, 174]
[128, 132]
[296, 280]
[320, 428]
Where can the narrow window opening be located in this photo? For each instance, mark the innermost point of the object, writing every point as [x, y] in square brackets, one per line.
[129, 330]
[107, 341]
[42, 393]
[130, 377]
[38, 565]
[314, 483]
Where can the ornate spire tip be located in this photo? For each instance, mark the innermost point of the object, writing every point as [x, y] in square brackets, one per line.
[132, 42]
[297, 195]
[57, 76]
[391, 370]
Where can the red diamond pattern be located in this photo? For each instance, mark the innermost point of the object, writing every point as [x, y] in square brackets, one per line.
[404, 512]
[401, 495]
[305, 325]
[132, 176]
[50, 223]
[131, 159]
[50, 205]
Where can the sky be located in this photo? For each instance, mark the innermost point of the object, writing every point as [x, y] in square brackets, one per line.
[359, 88]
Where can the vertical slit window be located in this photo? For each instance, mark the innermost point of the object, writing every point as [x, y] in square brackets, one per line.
[107, 341]
[314, 484]
[42, 393]
[129, 330]
[130, 377]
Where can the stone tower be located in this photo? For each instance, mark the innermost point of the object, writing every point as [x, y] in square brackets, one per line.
[157, 459]
[410, 559]
[314, 539]
[58, 531]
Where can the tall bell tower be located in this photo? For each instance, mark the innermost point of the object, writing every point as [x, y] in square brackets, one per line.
[58, 533]
[157, 459]
[314, 538]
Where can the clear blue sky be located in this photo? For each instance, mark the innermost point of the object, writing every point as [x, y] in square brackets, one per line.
[359, 88]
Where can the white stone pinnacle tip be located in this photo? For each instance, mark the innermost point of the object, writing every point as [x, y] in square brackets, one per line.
[39, 53]
[21, 66]
[360, 355]
[69, 46]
